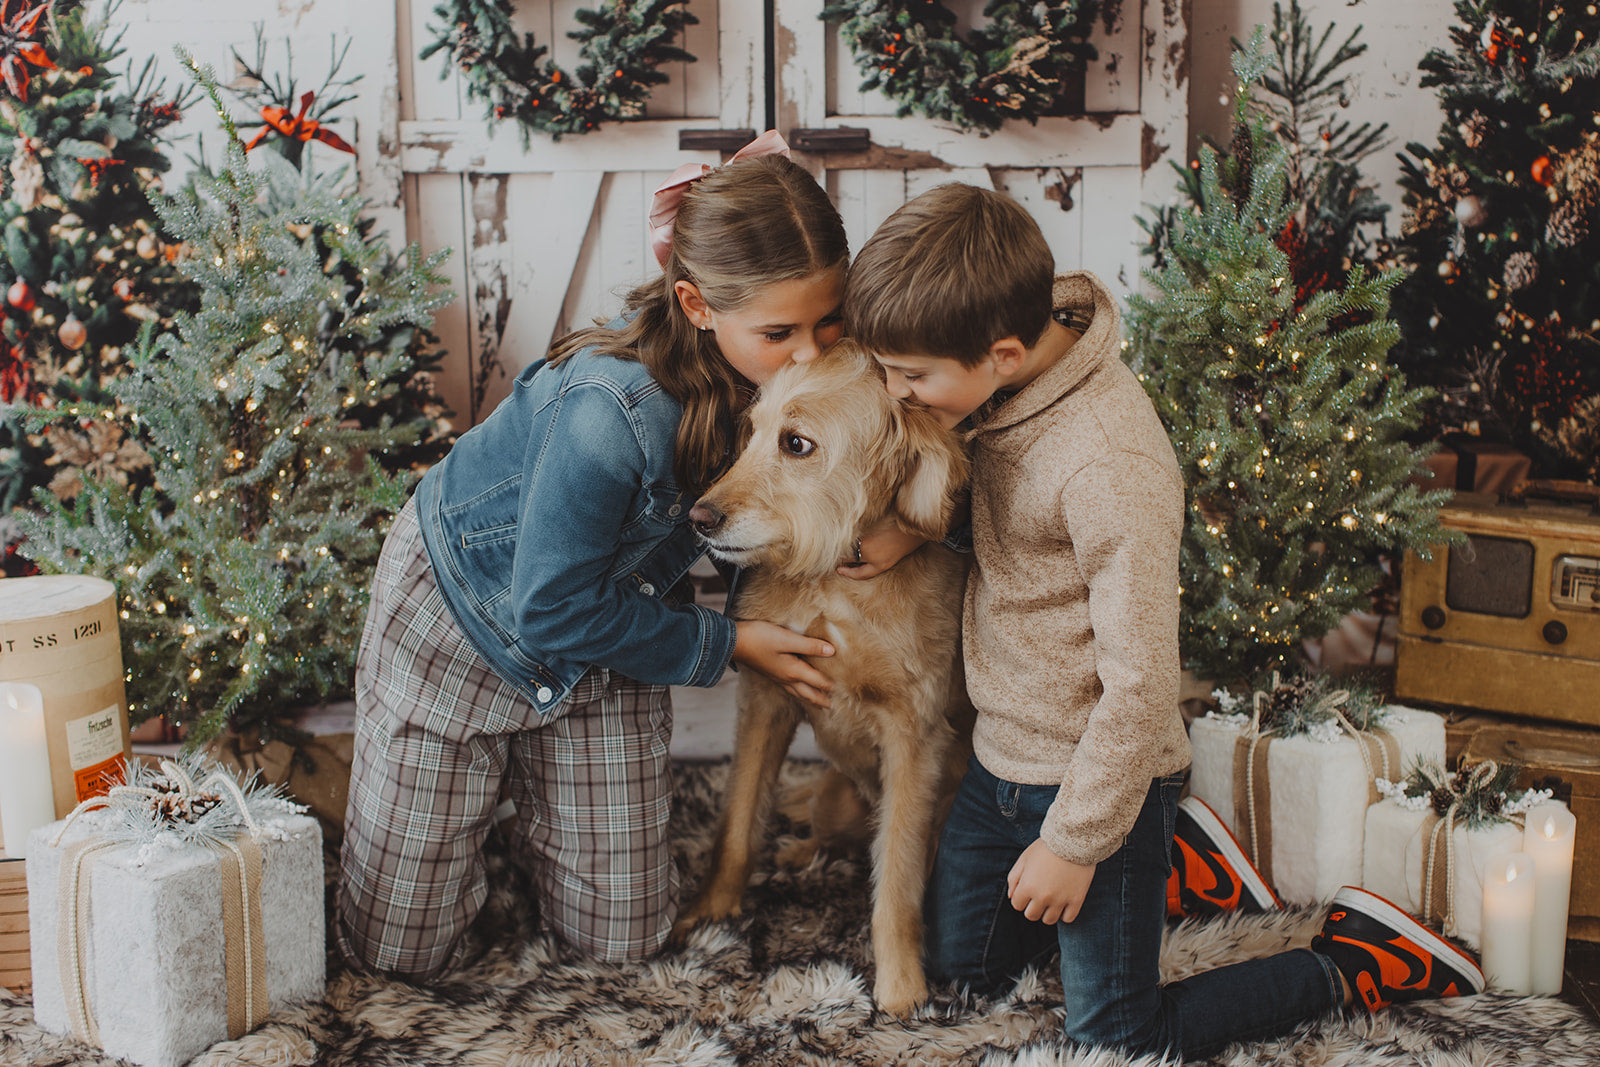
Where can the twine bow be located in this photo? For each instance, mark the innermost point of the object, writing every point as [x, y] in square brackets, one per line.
[668, 197]
[240, 867]
[1439, 880]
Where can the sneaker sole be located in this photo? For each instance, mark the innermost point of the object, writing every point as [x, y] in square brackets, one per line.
[1398, 920]
[1249, 877]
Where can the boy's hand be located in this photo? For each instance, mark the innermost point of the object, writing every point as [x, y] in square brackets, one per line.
[881, 548]
[777, 653]
[1047, 888]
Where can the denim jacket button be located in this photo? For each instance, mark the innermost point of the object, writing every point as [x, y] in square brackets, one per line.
[647, 589]
[544, 694]
[674, 509]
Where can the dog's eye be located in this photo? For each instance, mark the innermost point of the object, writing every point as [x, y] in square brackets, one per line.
[796, 445]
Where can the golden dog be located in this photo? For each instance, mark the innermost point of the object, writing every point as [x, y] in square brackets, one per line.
[830, 455]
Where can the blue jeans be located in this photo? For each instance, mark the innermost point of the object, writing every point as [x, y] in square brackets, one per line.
[1109, 955]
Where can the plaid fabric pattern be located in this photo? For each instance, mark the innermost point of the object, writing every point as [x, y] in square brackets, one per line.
[437, 733]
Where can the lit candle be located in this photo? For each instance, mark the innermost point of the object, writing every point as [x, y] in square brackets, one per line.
[1548, 835]
[1508, 922]
[27, 799]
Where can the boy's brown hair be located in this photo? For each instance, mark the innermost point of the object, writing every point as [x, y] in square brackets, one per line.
[950, 273]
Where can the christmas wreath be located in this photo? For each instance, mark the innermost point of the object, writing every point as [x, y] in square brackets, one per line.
[624, 44]
[1014, 68]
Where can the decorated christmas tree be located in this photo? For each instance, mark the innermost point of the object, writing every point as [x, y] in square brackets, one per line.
[1286, 419]
[297, 125]
[243, 565]
[84, 262]
[1502, 231]
[1300, 98]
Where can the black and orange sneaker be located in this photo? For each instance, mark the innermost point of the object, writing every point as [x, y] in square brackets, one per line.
[1387, 956]
[1210, 872]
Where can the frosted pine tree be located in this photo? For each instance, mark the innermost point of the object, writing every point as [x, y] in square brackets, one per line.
[243, 569]
[1287, 421]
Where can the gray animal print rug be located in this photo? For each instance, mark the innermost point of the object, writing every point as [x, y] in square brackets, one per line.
[789, 983]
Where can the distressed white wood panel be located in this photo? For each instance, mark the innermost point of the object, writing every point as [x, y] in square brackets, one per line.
[435, 89]
[616, 253]
[1037, 189]
[1113, 77]
[864, 199]
[439, 221]
[523, 266]
[920, 181]
[1111, 233]
[698, 81]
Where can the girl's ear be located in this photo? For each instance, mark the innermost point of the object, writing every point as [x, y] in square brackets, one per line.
[693, 304]
[934, 471]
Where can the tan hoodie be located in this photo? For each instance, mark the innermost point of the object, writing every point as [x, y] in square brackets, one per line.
[1071, 616]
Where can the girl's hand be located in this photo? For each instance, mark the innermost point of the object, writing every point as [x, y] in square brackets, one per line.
[1047, 888]
[778, 653]
[881, 548]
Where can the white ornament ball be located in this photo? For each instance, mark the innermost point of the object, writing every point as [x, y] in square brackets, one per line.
[1471, 213]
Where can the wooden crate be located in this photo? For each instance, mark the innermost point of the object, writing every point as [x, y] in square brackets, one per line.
[16, 969]
[1566, 759]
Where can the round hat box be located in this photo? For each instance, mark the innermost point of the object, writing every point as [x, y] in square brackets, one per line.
[59, 632]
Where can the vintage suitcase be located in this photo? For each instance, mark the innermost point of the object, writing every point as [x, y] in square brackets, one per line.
[1509, 621]
[1566, 760]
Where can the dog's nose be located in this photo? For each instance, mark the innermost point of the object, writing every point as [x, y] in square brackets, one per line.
[705, 518]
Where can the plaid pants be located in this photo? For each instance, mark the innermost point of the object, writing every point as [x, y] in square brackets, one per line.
[437, 732]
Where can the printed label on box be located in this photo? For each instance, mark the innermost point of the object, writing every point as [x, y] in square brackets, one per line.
[94, 751]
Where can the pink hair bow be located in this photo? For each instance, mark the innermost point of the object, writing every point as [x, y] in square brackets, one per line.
[666, 199]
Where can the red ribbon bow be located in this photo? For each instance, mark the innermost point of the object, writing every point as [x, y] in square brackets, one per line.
[299, 127]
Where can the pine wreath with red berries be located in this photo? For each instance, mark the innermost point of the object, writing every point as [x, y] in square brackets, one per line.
[1015, 67]
[624, 44]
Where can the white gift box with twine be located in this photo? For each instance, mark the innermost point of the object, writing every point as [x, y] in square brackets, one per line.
[154, 940]
[1432, 864]
[1298, 803]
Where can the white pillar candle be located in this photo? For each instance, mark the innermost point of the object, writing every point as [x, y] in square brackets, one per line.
[1549, 831]
[1508, 922]
[27, 799]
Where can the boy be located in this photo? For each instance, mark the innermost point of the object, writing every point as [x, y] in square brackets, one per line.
[1061, 833]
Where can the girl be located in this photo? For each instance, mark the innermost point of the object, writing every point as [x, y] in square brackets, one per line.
[530, 607]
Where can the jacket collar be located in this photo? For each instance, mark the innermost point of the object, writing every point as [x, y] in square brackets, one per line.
[1087, 297]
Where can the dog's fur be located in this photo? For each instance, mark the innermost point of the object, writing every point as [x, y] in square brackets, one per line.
[830, 454]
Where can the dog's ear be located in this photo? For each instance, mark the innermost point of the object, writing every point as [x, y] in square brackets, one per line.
[934, 470]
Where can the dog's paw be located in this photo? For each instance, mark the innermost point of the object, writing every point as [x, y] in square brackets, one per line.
[900, 995]
[797, 854]
[708, 907]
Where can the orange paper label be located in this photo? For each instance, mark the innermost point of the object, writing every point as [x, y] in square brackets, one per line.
[97, 780]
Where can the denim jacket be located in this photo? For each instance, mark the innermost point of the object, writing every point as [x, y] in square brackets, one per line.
[555, 527]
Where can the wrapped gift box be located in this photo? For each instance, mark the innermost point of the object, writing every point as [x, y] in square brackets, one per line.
[1395, 857]
[156, 974]
[1319, 792]
[1470, 464]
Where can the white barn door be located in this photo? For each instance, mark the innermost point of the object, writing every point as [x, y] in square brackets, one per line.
[1082, 177]
[547, 237]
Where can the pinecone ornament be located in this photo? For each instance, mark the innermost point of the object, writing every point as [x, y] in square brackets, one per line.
[1568, 225]
[1472, 129]
[1521, 271]
[1441, 798]
[1242, 148]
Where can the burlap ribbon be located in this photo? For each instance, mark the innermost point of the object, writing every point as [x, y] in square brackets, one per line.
[1438, 836]
[239, 866]
[1252, 786]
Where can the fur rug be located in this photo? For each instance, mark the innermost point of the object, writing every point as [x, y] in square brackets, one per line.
[788, 983]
